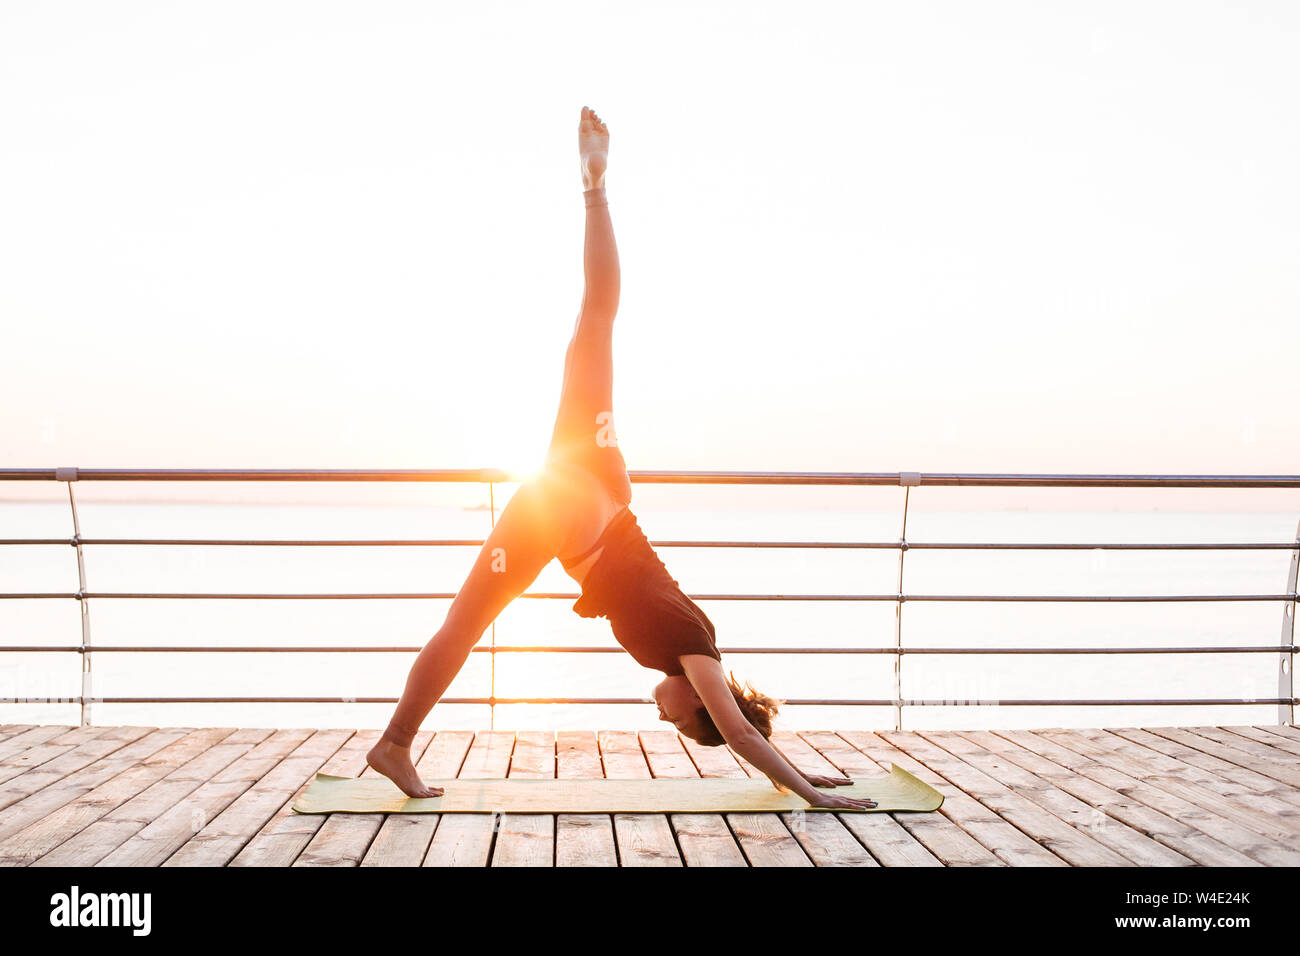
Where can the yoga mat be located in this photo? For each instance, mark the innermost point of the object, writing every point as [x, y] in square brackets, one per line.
[898, 790]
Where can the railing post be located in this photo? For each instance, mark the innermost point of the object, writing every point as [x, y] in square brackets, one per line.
[70, 475]
[907, 479]
[492, 656]
[1285, 680]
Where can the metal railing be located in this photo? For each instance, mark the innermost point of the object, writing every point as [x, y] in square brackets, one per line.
[1284, 650]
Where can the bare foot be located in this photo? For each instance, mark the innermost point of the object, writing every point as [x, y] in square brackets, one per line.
[394, 762]
[593, 149]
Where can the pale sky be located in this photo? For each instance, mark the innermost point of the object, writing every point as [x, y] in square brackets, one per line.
[869, 237]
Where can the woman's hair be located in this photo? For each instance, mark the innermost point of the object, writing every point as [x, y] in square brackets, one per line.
[759, 709]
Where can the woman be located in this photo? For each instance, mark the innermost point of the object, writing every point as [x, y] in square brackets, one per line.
[576, 509]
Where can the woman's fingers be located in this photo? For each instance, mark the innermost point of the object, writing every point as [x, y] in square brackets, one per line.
[834, 802]
[831, 781]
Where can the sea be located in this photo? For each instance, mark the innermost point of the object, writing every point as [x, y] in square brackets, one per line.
[35, 685]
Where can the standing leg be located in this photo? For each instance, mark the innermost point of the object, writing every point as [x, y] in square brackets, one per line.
[584, 425]
[526, 537]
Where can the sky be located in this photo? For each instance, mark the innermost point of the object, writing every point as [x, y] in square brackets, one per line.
[996, 237]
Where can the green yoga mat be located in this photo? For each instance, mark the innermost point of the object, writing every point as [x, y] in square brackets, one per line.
[898, 790]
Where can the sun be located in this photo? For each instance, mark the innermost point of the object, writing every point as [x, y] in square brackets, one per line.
[523, 472]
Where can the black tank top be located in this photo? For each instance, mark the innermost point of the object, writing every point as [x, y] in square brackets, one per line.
[650, 616]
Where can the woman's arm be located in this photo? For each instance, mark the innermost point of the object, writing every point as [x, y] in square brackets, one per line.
[817, 780]
[705, 675]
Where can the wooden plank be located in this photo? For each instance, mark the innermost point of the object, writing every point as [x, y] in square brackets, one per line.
[886, 842]
[8, 731]
[666, 755]
[342, 839]
[465, 839]
[91, 744]
[1214, 795]
[63, 779]
[217, 843]
[11, 730]
[24, 760]
[43, 835]
[1234, 749]
[1094, 819]
[1169, 793]
[722, 762]
[582, 839]
[764, 838]
[282, 838]
[121, 823]
[1123, 796]
[946, 842]
[1272, 740]
[30, 738]
[714, 761]
[528, 839]
[79, 734]
[160, 837]
[404, 837]
[1070, 844]
[983, 825]
[704, 839]
[1262, 812]
[832, 839]
[1283, 730]
[644, 839]
[1242, 776]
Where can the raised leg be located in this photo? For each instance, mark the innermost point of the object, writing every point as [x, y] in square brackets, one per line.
[527, 536]
[584, 424]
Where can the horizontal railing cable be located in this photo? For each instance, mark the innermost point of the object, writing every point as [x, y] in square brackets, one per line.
[773, 545]
[580, 649]
[800, 701]
[502, 476]
[568, 596]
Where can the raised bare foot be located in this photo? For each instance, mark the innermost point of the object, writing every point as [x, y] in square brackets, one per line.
[593, 149]
[394, 762]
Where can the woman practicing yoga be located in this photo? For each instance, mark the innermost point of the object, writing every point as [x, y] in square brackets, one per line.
[577, 509]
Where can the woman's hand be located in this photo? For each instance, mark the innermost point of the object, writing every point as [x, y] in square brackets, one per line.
[836, 802]
[817, 781]
[820, 799]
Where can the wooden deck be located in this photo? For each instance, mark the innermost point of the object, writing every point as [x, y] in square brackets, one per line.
[1160, 796]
